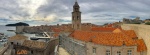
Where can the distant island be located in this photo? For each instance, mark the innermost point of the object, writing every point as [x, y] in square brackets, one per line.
[18, 24]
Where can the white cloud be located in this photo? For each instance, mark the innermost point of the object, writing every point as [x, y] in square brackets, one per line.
[59, 11]
[31, 6]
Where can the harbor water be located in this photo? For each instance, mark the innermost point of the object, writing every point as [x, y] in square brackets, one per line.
[3, 29]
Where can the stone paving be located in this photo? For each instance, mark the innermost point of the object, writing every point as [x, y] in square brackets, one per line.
[62, 51]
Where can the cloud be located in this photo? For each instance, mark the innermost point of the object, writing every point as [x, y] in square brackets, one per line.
[37, 12]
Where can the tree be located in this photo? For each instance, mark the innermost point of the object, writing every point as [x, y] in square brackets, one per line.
[147, 23]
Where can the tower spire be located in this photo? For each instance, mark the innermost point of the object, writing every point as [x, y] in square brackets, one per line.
[76, 1]
[76, 16]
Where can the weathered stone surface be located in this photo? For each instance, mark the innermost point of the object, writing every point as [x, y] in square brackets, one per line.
[142, 32]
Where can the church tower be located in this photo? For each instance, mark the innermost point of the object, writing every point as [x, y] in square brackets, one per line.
[76, 17]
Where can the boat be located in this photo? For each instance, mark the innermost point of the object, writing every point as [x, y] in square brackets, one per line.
[11, 30]
[33, 38]
[3, 38]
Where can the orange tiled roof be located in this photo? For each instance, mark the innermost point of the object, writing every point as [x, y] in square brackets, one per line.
[141, 45]
[56, 35]
[130, 33]
[109, 25]
[56, 29]
[34, 44]
[18, 37]
[110, 39]
[103, 29]
[116, 39]
[117, 30]
[80, 35]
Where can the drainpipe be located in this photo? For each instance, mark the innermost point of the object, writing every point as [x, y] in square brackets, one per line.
[111, 50]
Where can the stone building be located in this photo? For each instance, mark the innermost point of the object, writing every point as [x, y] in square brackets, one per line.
[74, 48]
[134, 21]
[20, 45]
[147, 20]
[142, 32]
[118, 42]
[19, 29]
[76, 17]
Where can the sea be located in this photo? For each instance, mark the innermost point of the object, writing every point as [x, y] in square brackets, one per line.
[3, 29]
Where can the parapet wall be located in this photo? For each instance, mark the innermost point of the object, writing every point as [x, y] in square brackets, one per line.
[142, 31]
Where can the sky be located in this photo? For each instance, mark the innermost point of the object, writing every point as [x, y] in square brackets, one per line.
[51, 12]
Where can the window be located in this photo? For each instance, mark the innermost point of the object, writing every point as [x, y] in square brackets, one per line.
[78, 26]
[73, 18]
[32, 52]
[118, 53]
[11, 42]
[107, 52]
[129, 52]
[76, 9]
[94, 50]
[77, 17]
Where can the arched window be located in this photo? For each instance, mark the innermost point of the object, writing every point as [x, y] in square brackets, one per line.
[76, 9]
[77, 17]
[72, 17]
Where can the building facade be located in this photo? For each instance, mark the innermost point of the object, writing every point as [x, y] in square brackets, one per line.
[98, 43]
[19, 45]
[76, 17]
[73, 47]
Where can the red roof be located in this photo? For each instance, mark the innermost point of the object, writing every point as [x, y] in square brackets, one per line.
[130, 33]
[103, 29]
[141, 45]
[56, 30]
[105, 38]
[55, 34]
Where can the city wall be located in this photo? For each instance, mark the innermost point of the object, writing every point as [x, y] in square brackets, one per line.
[142, 31]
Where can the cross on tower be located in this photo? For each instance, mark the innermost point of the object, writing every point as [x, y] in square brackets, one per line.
[76, 0]
[76, 16]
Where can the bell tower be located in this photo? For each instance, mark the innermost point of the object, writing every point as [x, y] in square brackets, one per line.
[76, 17]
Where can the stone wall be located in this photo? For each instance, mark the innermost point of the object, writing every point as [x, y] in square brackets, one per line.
[142, 31]
[77, 47]
[73, 47]
[49, 49]
[19, 29]
[101, 49]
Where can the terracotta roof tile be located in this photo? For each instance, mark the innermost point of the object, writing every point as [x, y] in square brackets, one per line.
[18, 37]
[117, 31]
[141, 45]
[34, 44]
[56, 29]
[130, 33]
[103, 29]
[56, 35]
[110, 39]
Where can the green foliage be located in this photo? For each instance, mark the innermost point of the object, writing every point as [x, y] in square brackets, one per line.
[136, 23]
[147, 23]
